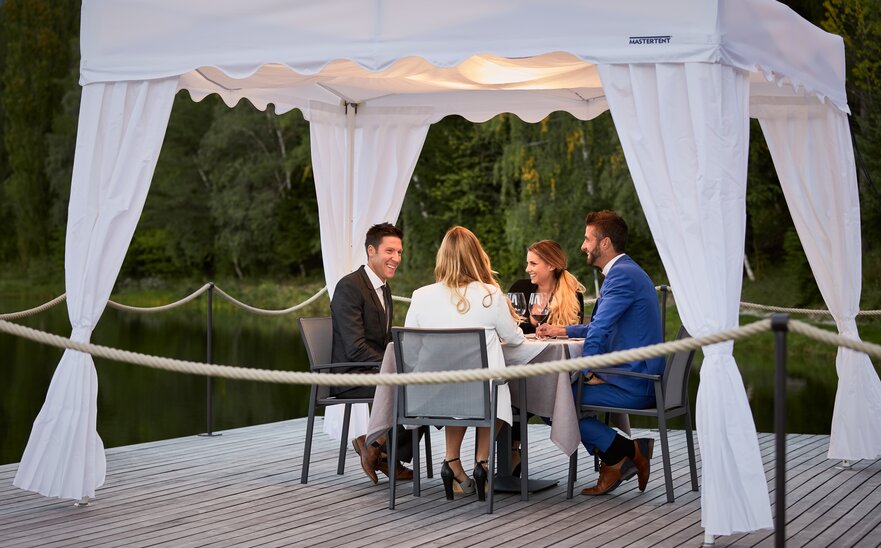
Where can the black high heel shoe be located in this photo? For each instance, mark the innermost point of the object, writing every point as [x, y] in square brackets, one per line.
[466, 485]
[480, 478]
[516, 470]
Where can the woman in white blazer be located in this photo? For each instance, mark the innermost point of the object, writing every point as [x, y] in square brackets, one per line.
[467, 295]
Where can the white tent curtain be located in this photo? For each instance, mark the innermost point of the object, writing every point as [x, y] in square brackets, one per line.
[813, 155]
[362, 162]
[685, 130]
[121, 128]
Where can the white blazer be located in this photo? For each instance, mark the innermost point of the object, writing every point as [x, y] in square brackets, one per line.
[434, 307]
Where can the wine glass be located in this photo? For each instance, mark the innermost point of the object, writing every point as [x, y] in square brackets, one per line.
[518, 302]
[539, 307]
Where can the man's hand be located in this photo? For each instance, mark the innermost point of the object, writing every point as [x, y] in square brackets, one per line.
[545, 330]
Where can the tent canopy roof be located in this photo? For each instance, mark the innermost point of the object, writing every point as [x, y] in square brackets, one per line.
[476, 59]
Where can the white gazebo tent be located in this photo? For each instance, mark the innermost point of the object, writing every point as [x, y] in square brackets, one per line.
[680, 77]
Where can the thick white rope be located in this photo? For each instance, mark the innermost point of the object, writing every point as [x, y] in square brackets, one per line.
[438, 377]
[294, 377]
[834, 339]
[35, 310]
[161, 308]
[265, 312]
[807, 311]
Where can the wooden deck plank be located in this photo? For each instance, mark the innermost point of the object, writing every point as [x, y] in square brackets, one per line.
[243, 489]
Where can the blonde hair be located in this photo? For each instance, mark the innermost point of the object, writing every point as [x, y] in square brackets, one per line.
[462, 260]
[564, 307]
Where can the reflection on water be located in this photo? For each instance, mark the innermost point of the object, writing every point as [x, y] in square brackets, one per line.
[138, 404]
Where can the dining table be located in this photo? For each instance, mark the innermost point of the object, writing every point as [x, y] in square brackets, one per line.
[549, 396]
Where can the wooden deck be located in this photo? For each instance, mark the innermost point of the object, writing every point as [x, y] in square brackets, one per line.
[243, 489]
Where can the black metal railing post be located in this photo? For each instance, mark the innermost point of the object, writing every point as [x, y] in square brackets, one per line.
[664, 289]
[780, 325]
[209, 358]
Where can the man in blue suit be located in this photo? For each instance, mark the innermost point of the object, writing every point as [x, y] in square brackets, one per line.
[625, 316]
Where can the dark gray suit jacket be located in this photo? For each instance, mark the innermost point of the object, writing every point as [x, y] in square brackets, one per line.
[360, 327]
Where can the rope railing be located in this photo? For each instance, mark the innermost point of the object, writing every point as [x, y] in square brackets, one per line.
[775, 309]
[35, 310]
[435, 377]
[805, 311]
[265, 312]
[360, 379]
[160, 308]
[270, 312]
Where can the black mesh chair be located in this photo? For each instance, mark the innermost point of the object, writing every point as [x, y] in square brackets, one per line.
[454, 404]
[317, 336]
[671, 400]
[318, 339]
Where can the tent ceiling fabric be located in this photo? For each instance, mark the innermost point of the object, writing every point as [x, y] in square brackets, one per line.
[478, 88]
[458, 57]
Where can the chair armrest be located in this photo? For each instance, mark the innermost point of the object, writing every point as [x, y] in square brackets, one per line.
[628, 374]
[340, 365]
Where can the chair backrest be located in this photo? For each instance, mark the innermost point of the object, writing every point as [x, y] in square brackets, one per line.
[418, 350]
[318, 339]
[676, 373]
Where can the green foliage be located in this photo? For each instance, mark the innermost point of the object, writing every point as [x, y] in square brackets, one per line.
[38, 60]
[255, 167]
[452, 185]
[553, 173]
[799, 270]
[768, 217]
[859, 24]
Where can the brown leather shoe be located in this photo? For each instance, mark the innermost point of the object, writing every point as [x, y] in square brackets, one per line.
[369, 457]
[610, 478]
[402, 473]
[642, 460]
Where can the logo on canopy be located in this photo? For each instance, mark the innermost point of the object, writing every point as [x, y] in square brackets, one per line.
[650, 39]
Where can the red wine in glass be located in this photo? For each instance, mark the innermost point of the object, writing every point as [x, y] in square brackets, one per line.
[539, 307]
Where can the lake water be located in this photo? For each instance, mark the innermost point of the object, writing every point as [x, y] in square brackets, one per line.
[138, 404]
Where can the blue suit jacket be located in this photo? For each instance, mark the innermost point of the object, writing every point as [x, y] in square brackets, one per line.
[626, 316]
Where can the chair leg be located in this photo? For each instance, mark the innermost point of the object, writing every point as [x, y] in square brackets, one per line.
[426, 435]
[665, 450]
[344, 440]
[524, 443]
[417, 491]
[596, 458]
[491, 467]
[689, 440]
[310, 425]
[573, 473]
[392, 446]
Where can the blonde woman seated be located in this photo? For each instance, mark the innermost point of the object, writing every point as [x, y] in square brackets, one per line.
[547, 266]
[467, 295]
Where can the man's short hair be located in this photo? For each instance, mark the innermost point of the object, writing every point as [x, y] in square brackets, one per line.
[608, 223]
[380, 231]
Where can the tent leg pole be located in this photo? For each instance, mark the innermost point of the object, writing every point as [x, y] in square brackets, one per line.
[779, 324]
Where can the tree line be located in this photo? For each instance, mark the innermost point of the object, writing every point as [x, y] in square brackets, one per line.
[233, 192]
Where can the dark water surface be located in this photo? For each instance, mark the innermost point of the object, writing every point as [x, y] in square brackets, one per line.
[138, 404]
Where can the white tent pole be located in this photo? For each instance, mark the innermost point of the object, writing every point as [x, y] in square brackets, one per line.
[351, 110]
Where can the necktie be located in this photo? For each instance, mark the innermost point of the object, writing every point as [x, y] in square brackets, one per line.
[387, 297]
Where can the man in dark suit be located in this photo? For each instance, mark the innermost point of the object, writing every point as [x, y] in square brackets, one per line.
[362, 313]
[625, 316]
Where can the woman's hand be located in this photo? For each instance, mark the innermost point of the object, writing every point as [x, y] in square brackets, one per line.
[545, 330]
